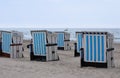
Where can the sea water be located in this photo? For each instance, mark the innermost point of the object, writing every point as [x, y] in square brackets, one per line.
[27, 35]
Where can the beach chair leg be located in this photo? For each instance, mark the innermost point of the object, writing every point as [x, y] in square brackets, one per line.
[76, 54]
[81, 62]
[31, 56]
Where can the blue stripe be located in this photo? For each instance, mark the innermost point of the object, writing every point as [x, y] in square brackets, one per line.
[98, 48]
[39, 43]
[90, 48]
[42, 40]
[79, 45]
[87, 48]
[103, 48]
[94, 48]
[60, 39]
[6, 41]
[34, 43]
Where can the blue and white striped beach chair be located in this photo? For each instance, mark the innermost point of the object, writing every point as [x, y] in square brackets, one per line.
[9, 39]
[63, 40]
[43, 47]
[95, 48]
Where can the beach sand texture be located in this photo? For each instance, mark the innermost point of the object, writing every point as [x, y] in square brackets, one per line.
[67, 67]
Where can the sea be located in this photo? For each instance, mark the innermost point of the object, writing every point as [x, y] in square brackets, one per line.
[27, 34]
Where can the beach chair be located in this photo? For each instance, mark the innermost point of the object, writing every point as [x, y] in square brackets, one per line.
[43, 46]
[95, 48]
[63, 40]
[11, 44]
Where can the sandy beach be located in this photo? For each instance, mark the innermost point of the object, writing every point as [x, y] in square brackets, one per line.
[67, 67]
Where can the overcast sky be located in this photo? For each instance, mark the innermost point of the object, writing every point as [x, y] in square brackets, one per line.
[60, 13]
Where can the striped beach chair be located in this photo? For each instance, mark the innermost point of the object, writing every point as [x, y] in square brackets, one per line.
[11, 44]
[95, 48]
[63, 40]
[43, 46]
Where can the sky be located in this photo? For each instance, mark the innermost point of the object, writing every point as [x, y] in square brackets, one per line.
[60, 13]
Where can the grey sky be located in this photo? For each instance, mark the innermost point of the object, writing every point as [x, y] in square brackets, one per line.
[60, 13]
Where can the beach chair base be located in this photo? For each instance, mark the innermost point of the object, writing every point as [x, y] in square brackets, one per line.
[93, 64]
[76, 54]
[4, 54]
[60, 48]
[39, 58]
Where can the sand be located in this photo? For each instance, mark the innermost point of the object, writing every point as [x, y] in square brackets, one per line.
[67, 67]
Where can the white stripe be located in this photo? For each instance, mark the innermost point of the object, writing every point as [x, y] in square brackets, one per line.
[105, 48]
[33, 42]
[45, 42]
[84, 36]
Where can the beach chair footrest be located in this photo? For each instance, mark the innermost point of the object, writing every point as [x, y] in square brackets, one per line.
[93, 64]
[37, 58]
